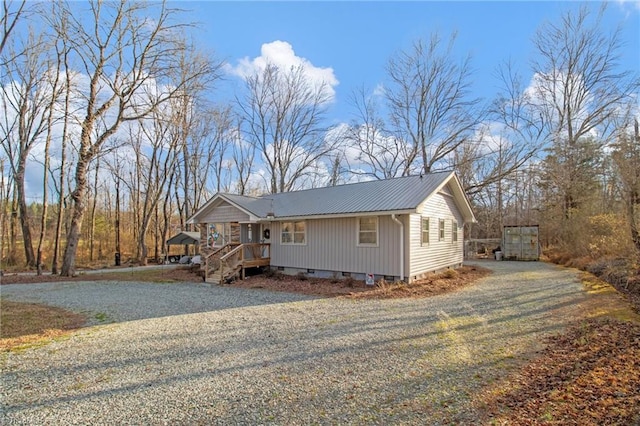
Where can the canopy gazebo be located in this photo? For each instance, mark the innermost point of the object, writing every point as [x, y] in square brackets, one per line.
[183, 238]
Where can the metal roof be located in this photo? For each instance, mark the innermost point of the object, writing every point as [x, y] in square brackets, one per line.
[398, 194]
[184, 237]
[401, 194]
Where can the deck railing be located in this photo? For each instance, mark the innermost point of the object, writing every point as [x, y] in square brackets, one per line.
[232, 256]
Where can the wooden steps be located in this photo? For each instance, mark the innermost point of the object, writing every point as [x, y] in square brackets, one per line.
[217, 278]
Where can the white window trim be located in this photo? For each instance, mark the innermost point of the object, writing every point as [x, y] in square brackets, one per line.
[422, 242]
[358, 243]
[225, 234]
[292, 243]
[454, 231]
[442, 230]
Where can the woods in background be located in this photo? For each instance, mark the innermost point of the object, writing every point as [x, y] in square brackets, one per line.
[118, 116]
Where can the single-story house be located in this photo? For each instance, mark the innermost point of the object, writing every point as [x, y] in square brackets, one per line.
[396, 229]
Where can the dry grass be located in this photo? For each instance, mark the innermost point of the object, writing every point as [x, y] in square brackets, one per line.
[169, 275]
[28, 324]
[589, 375]
[447, 281]
[443, 282]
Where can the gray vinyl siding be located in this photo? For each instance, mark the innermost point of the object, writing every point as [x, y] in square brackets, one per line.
[437, 254]
[225, 212]
[331, 244]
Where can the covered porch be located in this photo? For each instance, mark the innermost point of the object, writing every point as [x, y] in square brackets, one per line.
[230, 248]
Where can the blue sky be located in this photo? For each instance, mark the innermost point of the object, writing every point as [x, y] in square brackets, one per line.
[351, 42]
[356, 39]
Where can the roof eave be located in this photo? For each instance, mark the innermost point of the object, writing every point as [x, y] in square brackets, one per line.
[212, 200]
[339, 215]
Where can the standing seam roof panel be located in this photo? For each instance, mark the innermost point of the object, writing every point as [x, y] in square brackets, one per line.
[371, 196]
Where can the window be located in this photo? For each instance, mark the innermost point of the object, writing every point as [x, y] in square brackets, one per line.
[425, 231]
[441, 230]
[454, 231]
[368, 231]
[293, 233]
[218, 234]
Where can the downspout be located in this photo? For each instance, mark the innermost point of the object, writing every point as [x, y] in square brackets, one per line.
[395, 219]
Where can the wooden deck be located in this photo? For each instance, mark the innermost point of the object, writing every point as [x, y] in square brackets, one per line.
[233, 259]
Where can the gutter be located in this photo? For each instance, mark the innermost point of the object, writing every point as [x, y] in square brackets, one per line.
[395, 219]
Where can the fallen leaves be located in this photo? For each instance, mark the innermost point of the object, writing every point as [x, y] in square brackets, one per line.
[589, 375]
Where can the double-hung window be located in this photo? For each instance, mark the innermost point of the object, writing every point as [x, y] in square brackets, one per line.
[425, 231]
[294, 233]
[454, 231]
[441, 230]
[368, 231]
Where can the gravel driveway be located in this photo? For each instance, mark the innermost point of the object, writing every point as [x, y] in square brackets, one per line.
[193, 354]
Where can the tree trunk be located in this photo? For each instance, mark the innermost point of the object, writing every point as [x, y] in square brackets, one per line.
[63, 161]
[12, 256]
[4, 204]
[143, 250]
[45, 204]
[30, 258]
[94, 205]
[78, 209]
[117, 213]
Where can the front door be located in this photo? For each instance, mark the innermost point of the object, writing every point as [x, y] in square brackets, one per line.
[265, 237]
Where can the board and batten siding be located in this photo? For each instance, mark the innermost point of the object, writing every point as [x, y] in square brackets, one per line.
[437, 254]
[332, 245]
[225, 212]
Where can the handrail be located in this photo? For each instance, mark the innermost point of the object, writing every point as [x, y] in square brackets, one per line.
[214, 258]
[232, 252]
[226, 246]
[235, 255]
[225, 257]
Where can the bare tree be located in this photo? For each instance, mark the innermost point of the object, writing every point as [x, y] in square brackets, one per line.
[376, 151]
[28, 95]
[505, 144]
[626, 156]
[243, 159]
[211, 135]
[577, 88]
[57, 90]
[429, 99]
[283, 115]
[193, 125]
[62, 51]
[127, 51]
[5, 186]
[9, 18]
[157, 151]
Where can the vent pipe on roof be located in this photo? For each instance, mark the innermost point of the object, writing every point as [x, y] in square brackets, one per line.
[395, 219]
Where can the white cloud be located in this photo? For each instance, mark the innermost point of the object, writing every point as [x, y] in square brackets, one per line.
[547, 91]
[379, 90]
[634, 3]
[282, 55]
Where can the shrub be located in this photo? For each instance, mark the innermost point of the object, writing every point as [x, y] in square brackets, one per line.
[302, 276]
[597, 268]
[349, 282]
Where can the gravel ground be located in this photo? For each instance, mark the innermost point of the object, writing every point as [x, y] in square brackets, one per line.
[183, 354]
